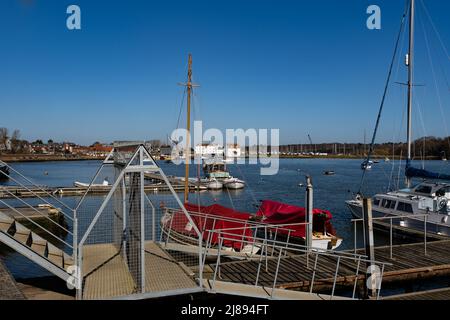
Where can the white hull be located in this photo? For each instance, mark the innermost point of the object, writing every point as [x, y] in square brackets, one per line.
[86, 185]
[325, 244]
[233, 184]
[214, 185]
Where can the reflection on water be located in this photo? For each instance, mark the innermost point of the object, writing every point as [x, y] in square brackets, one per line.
[330, 191]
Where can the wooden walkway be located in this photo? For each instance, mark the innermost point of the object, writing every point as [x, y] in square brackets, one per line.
[31, 192]
[409, 262]
[107, 274]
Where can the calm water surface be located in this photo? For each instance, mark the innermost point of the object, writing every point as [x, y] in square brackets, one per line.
[330, 192]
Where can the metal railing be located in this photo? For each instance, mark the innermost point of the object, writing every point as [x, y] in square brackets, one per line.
[300, 250]
[71, 216]
[391, 225]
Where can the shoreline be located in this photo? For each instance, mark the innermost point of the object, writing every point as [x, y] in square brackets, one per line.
[10, 158]
[15, 158]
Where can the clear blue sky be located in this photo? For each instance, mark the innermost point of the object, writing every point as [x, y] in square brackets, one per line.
[301, 66]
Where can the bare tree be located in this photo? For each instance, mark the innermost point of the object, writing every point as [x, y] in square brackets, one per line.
[155, 144]
[15, 141]
[3, 138]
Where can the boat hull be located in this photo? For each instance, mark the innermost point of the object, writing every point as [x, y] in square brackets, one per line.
[413, 223]
[214, 185]
[234, 184]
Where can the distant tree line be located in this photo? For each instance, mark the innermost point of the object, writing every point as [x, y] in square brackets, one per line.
[11, 143]
[424, 148]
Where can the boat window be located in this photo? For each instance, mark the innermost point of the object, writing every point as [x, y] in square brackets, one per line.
[423, 189]
[387, 203]
[393, 204]
[376, 202]
[405, 207]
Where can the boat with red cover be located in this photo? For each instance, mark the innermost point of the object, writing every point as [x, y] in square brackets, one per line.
[285, 223]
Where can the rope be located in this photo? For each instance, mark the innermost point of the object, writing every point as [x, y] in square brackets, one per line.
[435, 29]
[433, 72]
[384, 93]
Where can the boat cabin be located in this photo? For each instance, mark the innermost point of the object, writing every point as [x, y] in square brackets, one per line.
[216, 170]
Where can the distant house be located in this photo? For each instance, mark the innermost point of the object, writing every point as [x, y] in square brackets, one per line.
[99, 150]
[165, 150]
[206, 149]
[233, 151]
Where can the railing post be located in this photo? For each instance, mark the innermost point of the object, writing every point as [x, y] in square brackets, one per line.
[390, 238]
[170, 228]
[287, 242]
[354, 239]
[243, 234]
[314, 273]
[335, 277]
[276, 274]
[356, 278]
[368, 233]
[381, 281]
[217, 263]
[80, 275]
[207, 245]
[425, 234]
[200, 258]
[260, 262]
[275, 239]
[265, 239]
[309, 211]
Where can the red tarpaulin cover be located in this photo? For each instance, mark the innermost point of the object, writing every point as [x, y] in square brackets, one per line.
[280, 213]
[207, 222]
[272, 212]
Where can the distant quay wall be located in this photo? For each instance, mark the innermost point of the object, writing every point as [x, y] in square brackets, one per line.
[45, 157]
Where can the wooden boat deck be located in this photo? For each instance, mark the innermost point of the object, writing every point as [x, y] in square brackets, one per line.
[107, 274]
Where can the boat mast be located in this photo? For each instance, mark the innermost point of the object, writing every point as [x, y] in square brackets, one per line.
[188, 130]
[410, 61]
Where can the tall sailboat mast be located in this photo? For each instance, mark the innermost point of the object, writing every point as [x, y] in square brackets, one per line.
[188, 129]
[410, 63]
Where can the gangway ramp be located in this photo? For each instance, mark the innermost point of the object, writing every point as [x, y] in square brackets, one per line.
[107, 274]
[34, 247]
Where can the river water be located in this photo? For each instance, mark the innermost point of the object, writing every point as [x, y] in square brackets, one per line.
[330, 192]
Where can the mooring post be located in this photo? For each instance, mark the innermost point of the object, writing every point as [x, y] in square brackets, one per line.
[369, 241]
[309, 212]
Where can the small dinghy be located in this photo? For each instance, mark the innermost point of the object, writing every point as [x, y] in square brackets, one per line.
[79, 184]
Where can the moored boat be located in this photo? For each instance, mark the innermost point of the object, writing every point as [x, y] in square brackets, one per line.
[214, 184]
[285, 223]
[233, 183]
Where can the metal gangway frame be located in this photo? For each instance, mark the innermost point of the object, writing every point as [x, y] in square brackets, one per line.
[139, 229]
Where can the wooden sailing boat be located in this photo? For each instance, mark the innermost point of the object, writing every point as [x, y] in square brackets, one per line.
[242, 226]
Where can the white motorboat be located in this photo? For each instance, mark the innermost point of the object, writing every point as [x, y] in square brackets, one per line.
[427, 198]
[214, 184]
[233, 183]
